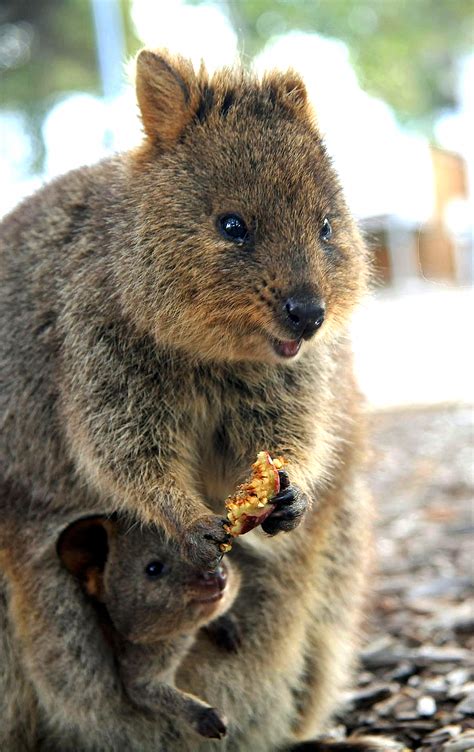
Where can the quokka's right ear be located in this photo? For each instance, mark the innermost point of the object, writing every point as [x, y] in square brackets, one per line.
[289, 89]
[83, 548]
[167, 94]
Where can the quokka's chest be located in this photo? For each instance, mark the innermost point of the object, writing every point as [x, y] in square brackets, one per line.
[227, 436]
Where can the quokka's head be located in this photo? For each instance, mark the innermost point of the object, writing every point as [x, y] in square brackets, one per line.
[244, 246]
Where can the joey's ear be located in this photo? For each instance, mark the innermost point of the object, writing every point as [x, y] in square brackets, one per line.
[167, 94]
[83, 548]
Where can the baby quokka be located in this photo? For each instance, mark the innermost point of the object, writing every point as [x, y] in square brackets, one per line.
[151, 603]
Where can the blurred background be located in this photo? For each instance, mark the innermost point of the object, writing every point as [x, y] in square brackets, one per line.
[392, 82]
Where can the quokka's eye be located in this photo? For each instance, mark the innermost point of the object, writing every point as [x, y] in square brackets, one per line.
[233, 228]
[155, 569]
[325, 232]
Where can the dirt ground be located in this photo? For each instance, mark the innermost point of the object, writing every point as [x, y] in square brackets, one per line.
[416, 681]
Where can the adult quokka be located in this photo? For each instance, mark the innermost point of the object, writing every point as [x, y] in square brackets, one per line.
[166, 314]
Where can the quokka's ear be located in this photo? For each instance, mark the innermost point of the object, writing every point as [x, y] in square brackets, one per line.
[83, 548]
[296, 94]
[289, 89]
[167, 94]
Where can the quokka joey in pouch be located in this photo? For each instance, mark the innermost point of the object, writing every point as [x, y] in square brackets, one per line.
[166, 315]
[151, 603]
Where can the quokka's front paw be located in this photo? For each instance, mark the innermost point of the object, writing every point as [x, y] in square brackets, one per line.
[291, 504]
[204, 540]
[208, 723]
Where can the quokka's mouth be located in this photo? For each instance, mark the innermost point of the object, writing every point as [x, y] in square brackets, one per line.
[288, 348]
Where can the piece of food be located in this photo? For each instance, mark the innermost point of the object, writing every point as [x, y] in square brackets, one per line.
[251, 505]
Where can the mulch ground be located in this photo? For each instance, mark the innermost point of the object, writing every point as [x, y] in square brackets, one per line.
[416, 681]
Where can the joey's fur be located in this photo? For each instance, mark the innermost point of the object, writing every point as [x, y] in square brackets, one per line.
[141, 372]
[150, 617]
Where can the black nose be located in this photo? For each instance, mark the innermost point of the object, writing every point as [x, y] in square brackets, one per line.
[304, 316]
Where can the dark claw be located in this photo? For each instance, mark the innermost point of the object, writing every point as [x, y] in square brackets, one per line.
[212, 566]
[219, 535]
[285, 514]
[279, 521]
[204, 541]
[224, 538]
[284, 479]
[211, 725]
[290, 506]
[286, 496]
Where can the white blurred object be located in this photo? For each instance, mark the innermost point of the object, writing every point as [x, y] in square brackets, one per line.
[110, 42]
[74, 130]
[458, 218]
[454, 129]
[384, 170]
[15, 148]
[199, 33]
[415, 348]
[15, 152]
[73, 133]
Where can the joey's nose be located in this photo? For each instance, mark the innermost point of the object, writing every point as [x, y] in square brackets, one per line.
[216, 578]
[304, 316]
[210, 584]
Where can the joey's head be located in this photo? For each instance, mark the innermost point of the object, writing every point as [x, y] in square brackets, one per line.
[245, 249]
[150, 592]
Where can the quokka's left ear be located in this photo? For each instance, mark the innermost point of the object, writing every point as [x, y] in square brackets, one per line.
[168, 95]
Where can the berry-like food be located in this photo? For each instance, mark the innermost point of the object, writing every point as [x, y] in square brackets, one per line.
[252, 504]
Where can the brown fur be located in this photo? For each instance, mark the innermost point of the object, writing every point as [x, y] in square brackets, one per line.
[139, 374]
[150, 621]
[18, 707]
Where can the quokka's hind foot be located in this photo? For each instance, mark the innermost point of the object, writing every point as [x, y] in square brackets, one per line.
[355, 744]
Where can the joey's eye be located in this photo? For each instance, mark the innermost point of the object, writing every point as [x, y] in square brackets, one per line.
[325, 232]
[155, 569]
[233, 228]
